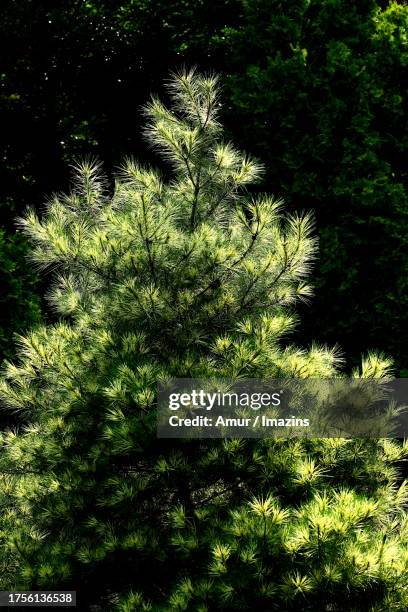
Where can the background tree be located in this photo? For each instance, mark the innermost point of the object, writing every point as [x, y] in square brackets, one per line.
[19, 301]
[187, 277]
[319, 90]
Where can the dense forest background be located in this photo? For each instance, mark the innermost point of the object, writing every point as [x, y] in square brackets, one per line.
[316, 89]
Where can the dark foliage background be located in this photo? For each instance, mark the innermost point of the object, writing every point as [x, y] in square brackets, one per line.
[315, 88]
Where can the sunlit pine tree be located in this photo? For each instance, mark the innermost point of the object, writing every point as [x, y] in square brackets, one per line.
[187, 276]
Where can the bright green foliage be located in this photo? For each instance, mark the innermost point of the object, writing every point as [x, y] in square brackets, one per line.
[19, 304]
[187, 278]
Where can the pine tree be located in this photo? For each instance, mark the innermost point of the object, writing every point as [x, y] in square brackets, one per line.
[184, 277]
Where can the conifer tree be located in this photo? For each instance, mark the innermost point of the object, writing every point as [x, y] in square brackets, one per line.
[188, 277]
